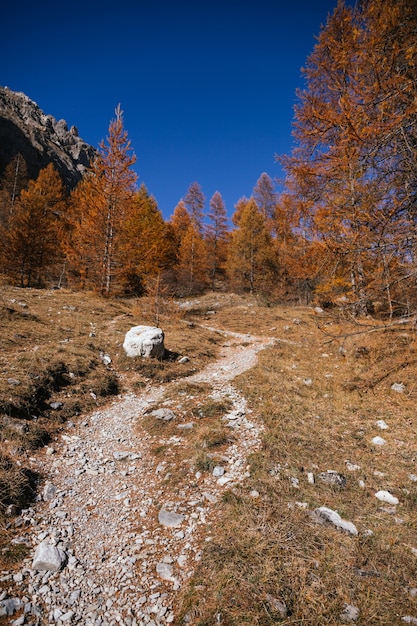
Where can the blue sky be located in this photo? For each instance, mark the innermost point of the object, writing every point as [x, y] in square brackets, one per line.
[207, 88]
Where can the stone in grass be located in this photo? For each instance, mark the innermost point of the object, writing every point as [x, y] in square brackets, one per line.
[324, 515]
[145, 341]
[378, 441]
[386, 496]
[349, 614]
[163, 414]
[170, 519]
[277, 605]
[333, 478]
[48, 558]
[409, 619]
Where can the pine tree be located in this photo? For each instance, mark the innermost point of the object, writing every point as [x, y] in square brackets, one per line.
[31, 243]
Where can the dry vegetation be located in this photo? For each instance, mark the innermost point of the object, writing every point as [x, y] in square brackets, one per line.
[319, 393]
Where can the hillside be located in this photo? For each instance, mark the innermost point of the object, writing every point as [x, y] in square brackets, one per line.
[195, 494]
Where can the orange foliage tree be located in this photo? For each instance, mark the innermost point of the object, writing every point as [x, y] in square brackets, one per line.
[251, 263]
[99, 206]
[31, 241]
[147, 244]
[354, 125]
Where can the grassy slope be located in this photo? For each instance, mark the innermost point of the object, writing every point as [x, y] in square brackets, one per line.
[267, 548]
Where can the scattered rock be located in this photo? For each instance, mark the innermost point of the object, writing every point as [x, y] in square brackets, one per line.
[408, 619]
[144, 341]
[163, 414]
[170, 519]
[165, 571]
[398, 387]
[386, 496]
[378, 441]
[382, 425]
[48, 557]
[183, 359]
[324, 515]
[330, 477]
[278, 606]
[105, 358]
[56, 406]
[49, 492]
[349, 614]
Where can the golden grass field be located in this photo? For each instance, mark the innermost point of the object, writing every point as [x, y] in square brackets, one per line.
[319, 393]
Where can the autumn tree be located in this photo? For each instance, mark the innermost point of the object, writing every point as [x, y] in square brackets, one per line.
[251, 263]
[99, 203]
[180, 221]
[31, 249]
[187, 221]
[147, 244]
[194, 201]
[341, 169]
[14, 179]
[192, 264]
[217, 237]
[265, 195]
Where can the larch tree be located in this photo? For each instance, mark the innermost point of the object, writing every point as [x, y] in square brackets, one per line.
[100, 202]
[14, 179]
[147, 244]
[180, 221]
[265, 195]
[192, 265]
[194, 201]
[217, 237]
[31, 249]
[355, 128]
[251, 264]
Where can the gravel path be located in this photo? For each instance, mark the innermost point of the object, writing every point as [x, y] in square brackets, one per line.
[130, 540]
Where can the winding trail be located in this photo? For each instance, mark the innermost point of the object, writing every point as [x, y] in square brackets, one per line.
[105, 490]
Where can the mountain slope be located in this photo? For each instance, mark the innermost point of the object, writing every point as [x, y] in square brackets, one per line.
[40, 139]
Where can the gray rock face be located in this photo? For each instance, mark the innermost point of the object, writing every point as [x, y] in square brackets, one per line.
[40, 139]
[48, 558]
[145, 341]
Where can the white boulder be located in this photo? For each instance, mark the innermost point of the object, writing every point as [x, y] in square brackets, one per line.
[146, 341]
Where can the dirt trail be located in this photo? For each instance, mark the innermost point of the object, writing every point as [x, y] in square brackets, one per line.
[104, 496]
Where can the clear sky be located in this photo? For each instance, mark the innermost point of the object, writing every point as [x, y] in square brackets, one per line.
[207, 87]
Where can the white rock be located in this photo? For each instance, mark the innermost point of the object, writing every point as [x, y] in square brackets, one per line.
[326, 515]
[145, 341]
[48, 557]
[165, 571]
[409, 619]
[398, 387]
[382, 425]
[170, 519]
[378, 441]
[386, 496]
[349, 614]
[218, 471]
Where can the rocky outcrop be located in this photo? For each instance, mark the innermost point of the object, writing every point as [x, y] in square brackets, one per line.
[25, 129]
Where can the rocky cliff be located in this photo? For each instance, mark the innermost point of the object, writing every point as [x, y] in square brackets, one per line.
[40, 139]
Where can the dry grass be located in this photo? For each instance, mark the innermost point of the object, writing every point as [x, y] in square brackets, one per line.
[319, 393]
[320, 398]
[51, 368]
